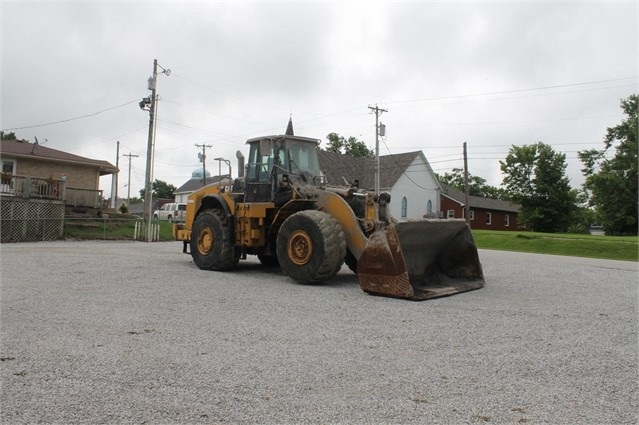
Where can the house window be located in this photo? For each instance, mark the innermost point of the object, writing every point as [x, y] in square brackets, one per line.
[489, 218]
[471, 214]
[507, 220]
[8, 170]
[8, 166]
[450, 214]
[404, 207]
[429, 207]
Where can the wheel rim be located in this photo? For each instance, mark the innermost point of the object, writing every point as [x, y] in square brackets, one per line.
[300, 247]
[205, 241]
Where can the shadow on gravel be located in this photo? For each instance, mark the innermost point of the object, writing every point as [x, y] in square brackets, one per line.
[344, 278]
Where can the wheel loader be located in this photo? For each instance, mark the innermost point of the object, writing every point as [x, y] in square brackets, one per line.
[282, 210]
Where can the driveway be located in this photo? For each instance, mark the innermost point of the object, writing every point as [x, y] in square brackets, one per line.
[132, 332]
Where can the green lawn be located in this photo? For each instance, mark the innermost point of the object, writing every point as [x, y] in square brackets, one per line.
[112, 228]
[609, 247]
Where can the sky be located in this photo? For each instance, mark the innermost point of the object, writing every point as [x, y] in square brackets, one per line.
[488, 74]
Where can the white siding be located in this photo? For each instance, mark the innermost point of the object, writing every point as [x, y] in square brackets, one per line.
[419, 185]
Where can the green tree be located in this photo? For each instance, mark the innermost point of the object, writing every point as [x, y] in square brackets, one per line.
[161, 189]
[350, 146]
[535, 178]
[612, 182]
[11, 136]
[476, 185]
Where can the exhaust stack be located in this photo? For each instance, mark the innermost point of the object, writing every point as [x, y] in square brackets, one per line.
[240, 164]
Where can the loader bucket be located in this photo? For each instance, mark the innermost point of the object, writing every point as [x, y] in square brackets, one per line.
[420, 260]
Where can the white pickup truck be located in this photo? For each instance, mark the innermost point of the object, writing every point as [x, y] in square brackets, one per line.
[170, 212]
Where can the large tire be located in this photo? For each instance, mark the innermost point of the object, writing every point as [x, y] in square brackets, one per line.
[212, 241]
[311, 246]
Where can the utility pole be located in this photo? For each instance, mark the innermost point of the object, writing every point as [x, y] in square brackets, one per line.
[202, 158]
[128, 185]
[378, 112]
[114, 179]
[151, 103]
[466, 206]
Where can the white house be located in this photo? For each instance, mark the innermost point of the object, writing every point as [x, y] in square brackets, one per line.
[408, 177]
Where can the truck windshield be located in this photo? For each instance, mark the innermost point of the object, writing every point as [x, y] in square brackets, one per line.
[302, 158]
[287, 155]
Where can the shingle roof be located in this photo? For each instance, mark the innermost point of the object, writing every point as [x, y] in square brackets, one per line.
[335, 166]
[194, 184]
[21, 149]
[478, 201]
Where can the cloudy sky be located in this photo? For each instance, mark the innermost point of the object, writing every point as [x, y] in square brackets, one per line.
[491, 74]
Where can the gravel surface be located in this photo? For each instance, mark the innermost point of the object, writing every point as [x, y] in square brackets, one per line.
[131, 332]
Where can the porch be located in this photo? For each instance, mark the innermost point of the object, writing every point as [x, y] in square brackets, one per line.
[34, 209]
[26, 187]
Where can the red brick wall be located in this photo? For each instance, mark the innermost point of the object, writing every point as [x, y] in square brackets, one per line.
[497, 219]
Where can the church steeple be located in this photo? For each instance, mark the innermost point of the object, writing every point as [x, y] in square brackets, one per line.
[289, 128]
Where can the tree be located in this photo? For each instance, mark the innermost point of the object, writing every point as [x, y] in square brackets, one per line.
[535, 178]
[11, 136]
[476, 185]
[352, 146]
[612, 182]
[160, 189]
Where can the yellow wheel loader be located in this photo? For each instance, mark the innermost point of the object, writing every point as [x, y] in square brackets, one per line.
[282, 210]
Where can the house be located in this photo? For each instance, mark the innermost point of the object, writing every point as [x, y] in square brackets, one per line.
[39, 186]
[485, 213]
[46, 166]
[196, 181]
[407, 177]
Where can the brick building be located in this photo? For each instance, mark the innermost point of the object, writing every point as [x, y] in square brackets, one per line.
[485, 213]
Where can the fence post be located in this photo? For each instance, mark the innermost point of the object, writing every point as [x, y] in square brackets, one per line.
[63, 188]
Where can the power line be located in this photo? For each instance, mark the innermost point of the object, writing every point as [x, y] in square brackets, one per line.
[71, 119]
[128, 196]
[513, 91]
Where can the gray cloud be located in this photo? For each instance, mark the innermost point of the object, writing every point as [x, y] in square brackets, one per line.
[447, 72]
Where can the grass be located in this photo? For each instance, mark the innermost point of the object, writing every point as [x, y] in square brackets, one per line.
[608, 247]
[112, 228]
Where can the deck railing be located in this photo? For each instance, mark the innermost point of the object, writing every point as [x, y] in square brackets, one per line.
[83, 197]
[51, 189]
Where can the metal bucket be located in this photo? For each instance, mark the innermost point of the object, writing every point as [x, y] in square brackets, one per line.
[420, 260]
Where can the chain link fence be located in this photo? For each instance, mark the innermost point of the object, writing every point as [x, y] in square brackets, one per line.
[32, 220]
[108, 227]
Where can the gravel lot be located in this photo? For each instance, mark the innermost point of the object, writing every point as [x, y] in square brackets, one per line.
[131, 332]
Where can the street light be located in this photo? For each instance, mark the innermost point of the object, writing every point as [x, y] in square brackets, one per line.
[219, 160]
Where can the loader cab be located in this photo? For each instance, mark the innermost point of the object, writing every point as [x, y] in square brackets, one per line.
[275, 159]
